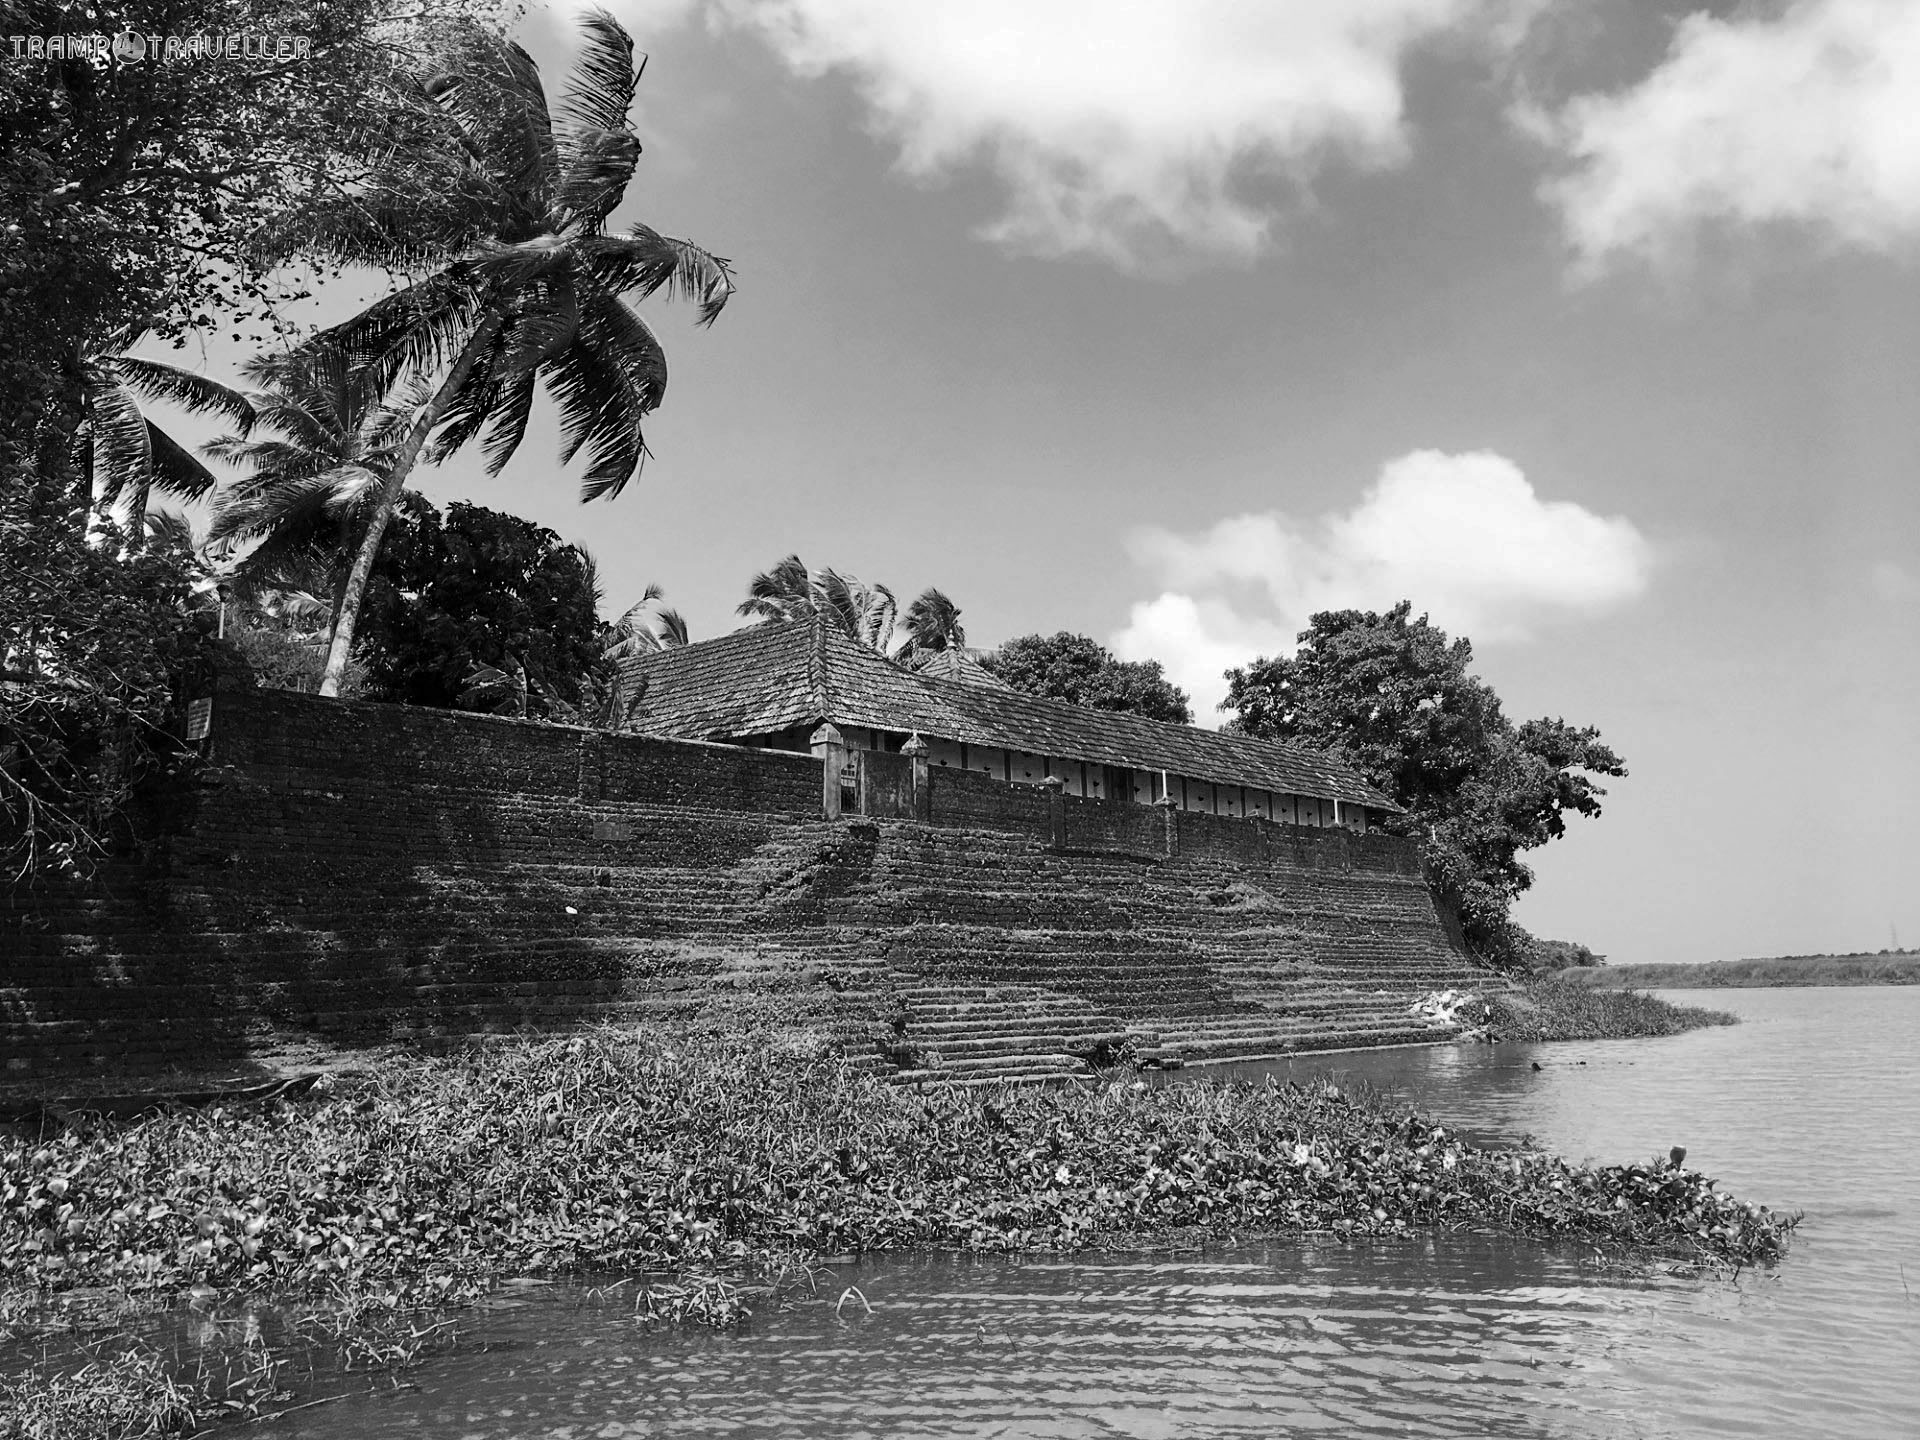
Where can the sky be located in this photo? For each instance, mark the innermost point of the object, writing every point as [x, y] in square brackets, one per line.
[1590, 327]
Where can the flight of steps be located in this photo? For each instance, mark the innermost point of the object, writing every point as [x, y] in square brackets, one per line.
[929, 954]
[980, 1034]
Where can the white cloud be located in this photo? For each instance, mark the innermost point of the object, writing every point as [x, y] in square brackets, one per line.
[1126, 129]
[1464, 537]
[1806, 118]
[1894, 582]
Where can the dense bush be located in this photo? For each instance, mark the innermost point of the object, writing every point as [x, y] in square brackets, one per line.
[100, 641]
[1561, 1007]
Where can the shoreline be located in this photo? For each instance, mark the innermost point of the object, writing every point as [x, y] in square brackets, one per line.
[722, 1159]
[1780, 972]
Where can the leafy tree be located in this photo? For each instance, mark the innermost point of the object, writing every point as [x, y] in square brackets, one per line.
[131, 193]
[933, 625]
[96, 642]
[132, 190]
[1074, 668]
[480, 589]
[1396, 698]
[501, 221]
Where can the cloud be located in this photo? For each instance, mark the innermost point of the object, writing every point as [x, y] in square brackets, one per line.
[1464, 537]
[1138, 132]
[1894, 582]
[1806, 119]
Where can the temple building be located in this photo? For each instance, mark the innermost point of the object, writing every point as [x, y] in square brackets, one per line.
[775, 684]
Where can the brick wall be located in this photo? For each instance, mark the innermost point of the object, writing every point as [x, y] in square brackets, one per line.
[966, 800]
[1119, 826]
[364, 872]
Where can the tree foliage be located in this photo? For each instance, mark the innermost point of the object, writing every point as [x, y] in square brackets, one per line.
[1396, 698]
[646, 626]
[133, 191]
[500, 221]
[1074, 668]
[932, 623]
[479, 589]
[790, 591]
[98, 642]
[132, 197]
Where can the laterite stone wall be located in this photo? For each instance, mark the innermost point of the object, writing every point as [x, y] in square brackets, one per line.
[360, 873]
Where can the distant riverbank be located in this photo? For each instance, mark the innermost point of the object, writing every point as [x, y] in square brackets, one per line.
[1893, 967]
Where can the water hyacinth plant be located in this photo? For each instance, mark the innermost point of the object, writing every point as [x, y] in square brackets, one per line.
[1563, 1007]
[691, 1152]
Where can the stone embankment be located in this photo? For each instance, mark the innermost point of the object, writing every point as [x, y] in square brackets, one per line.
[358, 874]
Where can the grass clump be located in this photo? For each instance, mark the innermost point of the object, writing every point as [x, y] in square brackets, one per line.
[1561, 1008]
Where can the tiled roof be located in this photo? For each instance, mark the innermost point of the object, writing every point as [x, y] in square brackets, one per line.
[782, 673]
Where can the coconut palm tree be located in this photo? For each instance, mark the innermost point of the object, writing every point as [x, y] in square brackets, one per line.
[786, 592]
[790, 591]
[502, 222]
[317, 450]
[646, 627]
[932, 623]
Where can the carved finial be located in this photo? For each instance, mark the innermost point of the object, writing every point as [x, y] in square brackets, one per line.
[827, 734]
[914, 746]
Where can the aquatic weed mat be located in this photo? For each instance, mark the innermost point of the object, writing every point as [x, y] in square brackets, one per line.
[715, 1159]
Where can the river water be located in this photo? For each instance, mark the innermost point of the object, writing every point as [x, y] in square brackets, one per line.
[1813, 1104]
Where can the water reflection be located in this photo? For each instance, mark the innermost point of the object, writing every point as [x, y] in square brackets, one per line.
[1816, 1104]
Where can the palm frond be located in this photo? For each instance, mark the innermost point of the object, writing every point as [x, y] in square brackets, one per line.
[866, 612]
[290, 503]
[157, 380]
[599, 167]
[415, 330]
[600, 414]
[491, 88]
[467, 409]
[119, 436]
[173, 468]
[932, 623]
[599, 92]
[628, 342]
[646, 261]
[783, 593]
[280, 456]
[598, 150]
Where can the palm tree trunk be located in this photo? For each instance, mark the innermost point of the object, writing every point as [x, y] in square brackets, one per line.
[341, 570]
[347, 615]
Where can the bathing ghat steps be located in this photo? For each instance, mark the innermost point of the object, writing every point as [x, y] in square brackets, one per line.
[932, 954]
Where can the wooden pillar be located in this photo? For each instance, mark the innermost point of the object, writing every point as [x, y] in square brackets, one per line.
[830, 748]
[916, 750]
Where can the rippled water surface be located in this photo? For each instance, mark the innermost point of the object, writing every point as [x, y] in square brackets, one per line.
[1813, 1104]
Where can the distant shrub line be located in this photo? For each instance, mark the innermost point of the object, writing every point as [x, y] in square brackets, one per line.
[1893, 967]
